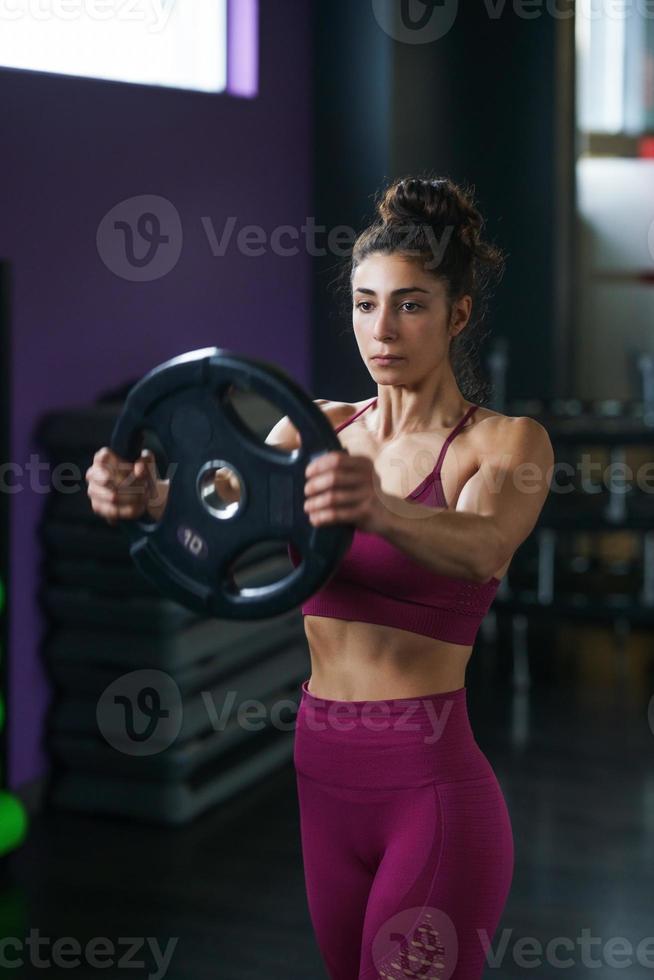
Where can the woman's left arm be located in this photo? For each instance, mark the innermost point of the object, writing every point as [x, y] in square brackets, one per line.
[497, 508]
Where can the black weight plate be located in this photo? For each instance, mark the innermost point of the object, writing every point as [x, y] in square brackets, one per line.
[190, 553]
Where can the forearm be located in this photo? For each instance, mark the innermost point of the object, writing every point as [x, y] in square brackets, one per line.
[460, 544]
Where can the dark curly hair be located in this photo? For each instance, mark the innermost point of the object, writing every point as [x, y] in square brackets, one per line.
[413, 213]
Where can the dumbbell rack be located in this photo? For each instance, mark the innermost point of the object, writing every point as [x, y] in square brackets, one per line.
[106, 621]
[543, 581]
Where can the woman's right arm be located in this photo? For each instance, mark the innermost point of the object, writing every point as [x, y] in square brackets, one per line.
[121, 490]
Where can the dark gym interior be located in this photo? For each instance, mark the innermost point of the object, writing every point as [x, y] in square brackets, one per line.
[185, 862]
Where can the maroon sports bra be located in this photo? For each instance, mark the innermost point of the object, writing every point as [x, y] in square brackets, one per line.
[378, 583]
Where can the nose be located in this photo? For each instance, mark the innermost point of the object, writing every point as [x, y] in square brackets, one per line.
[384, 329]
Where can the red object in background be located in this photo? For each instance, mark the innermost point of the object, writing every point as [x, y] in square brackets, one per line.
[646, 147]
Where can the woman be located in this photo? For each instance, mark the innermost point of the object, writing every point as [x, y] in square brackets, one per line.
[406, 838]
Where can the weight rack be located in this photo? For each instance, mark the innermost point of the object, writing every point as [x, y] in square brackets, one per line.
[556, 574]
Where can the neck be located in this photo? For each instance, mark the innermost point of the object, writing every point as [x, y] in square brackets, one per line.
[398, 412]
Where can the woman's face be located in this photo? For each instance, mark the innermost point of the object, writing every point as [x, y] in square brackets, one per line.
[399, 309]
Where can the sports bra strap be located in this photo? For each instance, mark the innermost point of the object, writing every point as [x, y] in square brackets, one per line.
[453, 434]
[356, 416]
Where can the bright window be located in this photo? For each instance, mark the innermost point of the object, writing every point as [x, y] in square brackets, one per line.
[176, 43]
[615, 67]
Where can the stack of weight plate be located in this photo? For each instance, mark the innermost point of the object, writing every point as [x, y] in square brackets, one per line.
[106, 622]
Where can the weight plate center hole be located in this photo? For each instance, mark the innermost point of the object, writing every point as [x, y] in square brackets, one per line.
[221, 489]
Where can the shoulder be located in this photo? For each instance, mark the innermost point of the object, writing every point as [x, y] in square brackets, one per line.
[513, 434]
[285, 436]
[338, 412]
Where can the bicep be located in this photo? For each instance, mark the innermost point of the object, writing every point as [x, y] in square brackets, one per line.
[512, 482]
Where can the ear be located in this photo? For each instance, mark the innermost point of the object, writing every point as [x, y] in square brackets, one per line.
[461, 311]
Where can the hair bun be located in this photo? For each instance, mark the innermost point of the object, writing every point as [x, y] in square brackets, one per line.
[437, 202]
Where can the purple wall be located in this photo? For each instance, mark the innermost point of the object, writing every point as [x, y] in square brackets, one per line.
[73, 149]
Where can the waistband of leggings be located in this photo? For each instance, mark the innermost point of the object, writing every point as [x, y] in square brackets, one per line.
[399, 742]
[387, 706]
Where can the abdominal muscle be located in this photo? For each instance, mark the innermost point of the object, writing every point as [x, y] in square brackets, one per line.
[353, 661]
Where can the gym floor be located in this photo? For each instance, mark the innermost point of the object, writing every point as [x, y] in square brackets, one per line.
[230, 888]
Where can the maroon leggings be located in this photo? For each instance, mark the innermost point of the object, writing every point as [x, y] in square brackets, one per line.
[406, 838]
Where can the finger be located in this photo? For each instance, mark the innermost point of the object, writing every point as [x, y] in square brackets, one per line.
[110, 474]
[124, 469]
[100, 476]
[325, 462]
[334, 499]
[131, 484]
[100, 493]
[109, 495]
[333, 463]
[332, 478]
[102, 482]
[106, 457]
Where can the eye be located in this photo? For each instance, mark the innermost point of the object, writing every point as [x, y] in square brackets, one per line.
[411, 303]
[363, 302]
